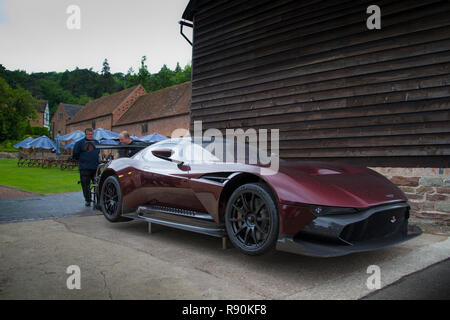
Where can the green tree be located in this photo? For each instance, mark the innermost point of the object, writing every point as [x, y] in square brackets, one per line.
[106, 68]
[181, 75]
[82, 82]
[79, 86]
[83, 99]
[178, 68]
[144, 75]
[16, 108]
[108, 84]
[131, 79]
[55, 95]
[163, 79]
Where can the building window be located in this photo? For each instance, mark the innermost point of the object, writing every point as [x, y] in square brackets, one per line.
[144, 128]
[59, 115]
[93, 124]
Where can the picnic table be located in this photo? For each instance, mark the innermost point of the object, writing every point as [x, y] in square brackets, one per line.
[66, 162]
[46, 160]
[29, 159]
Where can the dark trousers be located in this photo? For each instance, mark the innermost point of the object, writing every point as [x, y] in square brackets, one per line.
[86, 176]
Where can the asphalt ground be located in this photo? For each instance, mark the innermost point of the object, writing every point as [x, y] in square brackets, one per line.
[431, 283]
[43, 237]
[31, 207]
[123, 261]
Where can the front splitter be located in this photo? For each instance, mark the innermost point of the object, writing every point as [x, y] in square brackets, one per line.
[317, 249]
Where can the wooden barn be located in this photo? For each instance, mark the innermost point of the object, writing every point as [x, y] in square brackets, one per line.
[335, 86]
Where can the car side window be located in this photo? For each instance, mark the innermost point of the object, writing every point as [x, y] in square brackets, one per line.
[191, 152]
[182, 150]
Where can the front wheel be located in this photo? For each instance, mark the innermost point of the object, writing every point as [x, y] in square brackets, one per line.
[111, 200]
[251, 219]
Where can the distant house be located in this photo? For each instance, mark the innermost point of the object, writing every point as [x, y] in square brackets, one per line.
[105, 111]
[64, 113]
[160, 111]
[43, 115]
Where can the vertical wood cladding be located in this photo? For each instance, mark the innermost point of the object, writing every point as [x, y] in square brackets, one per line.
[335, 89]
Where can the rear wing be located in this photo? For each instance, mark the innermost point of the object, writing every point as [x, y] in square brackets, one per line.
[142, 145]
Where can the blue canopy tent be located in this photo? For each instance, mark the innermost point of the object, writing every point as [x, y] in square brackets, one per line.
[24, 143]
[38, 144]
[116, 140]
[109, 141]
[109, 137]
[103, 134]
[104, 137]
[69, 145]
[75, 136]
[135, 138]
[42, 142]
[154, 137]
[100, 135]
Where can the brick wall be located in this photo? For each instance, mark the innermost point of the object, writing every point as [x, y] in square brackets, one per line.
[39, 121]
[59, 125]
[163, 126]
[428, 191]
[101, 122]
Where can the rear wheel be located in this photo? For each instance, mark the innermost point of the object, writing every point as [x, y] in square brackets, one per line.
[111, 200]
[251, 219]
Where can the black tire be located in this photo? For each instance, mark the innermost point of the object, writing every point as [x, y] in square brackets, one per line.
[251, 219]
[111, 200]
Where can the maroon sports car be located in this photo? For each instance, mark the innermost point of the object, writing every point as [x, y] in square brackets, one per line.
[312, 208]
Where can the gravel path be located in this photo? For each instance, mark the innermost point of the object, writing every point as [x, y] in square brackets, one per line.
[10, 193]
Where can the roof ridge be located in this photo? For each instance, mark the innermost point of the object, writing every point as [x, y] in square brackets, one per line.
[115, 93]
[69, 104]
[103, 106]
[149, 103]
[125, 99]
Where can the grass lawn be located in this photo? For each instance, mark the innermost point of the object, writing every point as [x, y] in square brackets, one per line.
[38, 180]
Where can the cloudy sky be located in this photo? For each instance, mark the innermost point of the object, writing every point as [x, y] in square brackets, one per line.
[43, 35]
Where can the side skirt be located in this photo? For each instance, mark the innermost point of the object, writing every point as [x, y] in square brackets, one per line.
[179, 219]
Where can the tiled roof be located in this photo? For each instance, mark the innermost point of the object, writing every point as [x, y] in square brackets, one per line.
[163, 103]
[71, 109]
[102, 106]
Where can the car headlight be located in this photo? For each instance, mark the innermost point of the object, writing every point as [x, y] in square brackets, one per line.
[324, 210]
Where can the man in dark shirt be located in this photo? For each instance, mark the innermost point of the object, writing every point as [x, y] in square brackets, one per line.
[125, 139]
[84, 151]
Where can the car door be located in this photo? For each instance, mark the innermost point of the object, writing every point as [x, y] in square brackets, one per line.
[201, 163]
[166, 183]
